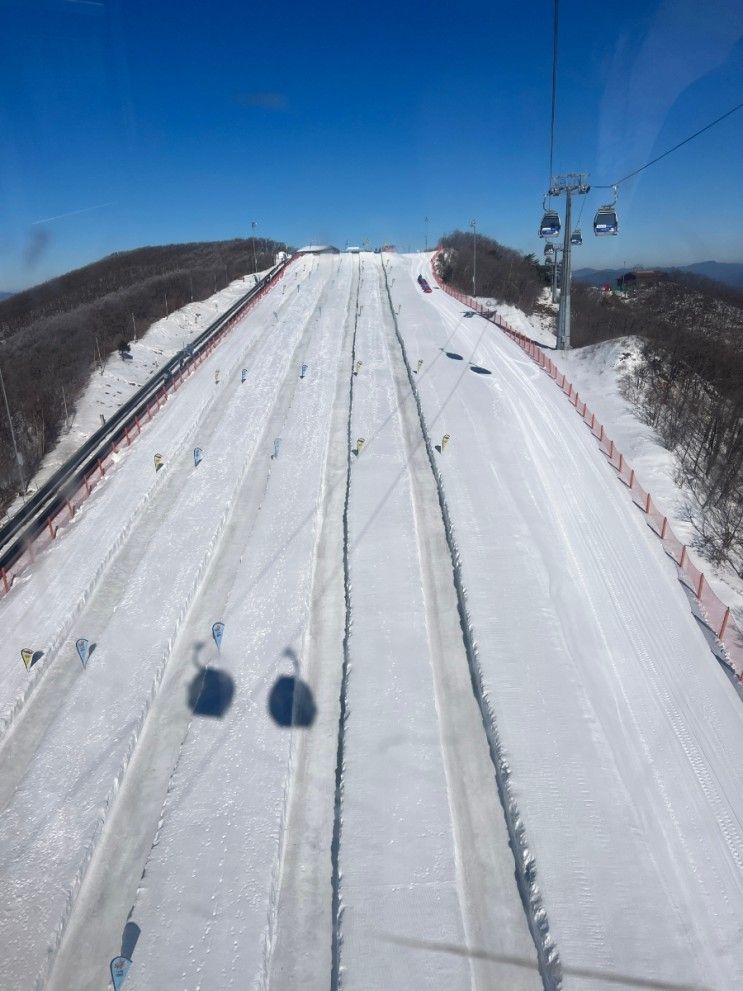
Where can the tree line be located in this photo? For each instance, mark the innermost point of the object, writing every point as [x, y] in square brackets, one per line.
[689, 386]
[502, 273]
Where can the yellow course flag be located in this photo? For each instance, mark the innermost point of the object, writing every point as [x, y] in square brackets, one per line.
[158, 462]
[27, 656]
[444, 441]
[359, 444]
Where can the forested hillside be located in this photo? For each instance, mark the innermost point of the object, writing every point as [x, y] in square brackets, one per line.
[54, 333]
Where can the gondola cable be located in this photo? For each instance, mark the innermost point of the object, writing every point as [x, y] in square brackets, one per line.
[671, 150]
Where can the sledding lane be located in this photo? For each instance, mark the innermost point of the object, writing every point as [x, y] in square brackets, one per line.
[67, 572]
[53, 818]
[227, 801]
[622, 732]
[424, 854]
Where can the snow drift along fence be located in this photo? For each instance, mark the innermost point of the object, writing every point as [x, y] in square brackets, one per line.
[105, 457]
[716, 614]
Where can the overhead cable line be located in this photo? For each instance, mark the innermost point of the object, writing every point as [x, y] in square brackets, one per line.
[554, 82]
[670, 150]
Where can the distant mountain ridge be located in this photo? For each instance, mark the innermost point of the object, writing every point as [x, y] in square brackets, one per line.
[5, 295]
[728, 273]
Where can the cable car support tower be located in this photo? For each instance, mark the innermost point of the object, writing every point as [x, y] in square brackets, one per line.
[573, 182]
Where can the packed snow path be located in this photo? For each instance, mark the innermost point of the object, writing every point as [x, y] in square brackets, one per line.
[242, 849]
[622, 731]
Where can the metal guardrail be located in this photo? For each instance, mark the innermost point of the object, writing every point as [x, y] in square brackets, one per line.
[25, 525]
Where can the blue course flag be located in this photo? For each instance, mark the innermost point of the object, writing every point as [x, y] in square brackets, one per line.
[198, 454]
[217, 633]
[276, 448]
[83, 649]
[119, 969]
[243, 374]
[303, 371]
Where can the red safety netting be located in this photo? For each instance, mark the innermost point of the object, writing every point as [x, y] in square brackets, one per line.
[715, 613]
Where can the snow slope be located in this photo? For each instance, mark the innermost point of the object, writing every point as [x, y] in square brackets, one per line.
[245, 851]
[595, 371]
[622, 730]
[74, 739]
[424, 854]
[227, 797]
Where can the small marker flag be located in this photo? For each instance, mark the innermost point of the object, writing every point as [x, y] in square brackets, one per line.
[243, 374]
[198, 454]
[444, 441]
[276, 448]
[119, 969]
[360, 444]
[218, 633]
[83, 649]
[302, 371]
[159, 462]
[27, 656]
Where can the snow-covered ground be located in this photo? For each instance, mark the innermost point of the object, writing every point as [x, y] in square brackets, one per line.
[596, 372]
[621, 729]
[369, 851]
[131, 564]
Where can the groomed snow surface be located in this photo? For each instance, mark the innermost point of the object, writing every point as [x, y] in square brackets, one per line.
[357, 838]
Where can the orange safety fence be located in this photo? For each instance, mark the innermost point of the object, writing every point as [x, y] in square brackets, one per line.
[715, 613]
[132, 430]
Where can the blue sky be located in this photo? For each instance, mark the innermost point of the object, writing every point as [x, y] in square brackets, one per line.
[131, 122]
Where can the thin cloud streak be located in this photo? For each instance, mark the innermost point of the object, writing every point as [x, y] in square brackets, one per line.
[87, 209]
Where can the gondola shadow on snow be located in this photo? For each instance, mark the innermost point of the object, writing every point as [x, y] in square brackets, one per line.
[211, 691]
[453, 355]
[129, 939]
[479, 370]
[291, 702]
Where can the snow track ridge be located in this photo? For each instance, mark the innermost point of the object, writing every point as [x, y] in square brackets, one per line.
[526, 874]
[337, 907]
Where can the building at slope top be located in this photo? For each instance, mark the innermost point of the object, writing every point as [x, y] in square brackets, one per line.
[318, 249]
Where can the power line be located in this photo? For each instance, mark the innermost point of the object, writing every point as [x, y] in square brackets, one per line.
[554, 82]
[670, 150]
